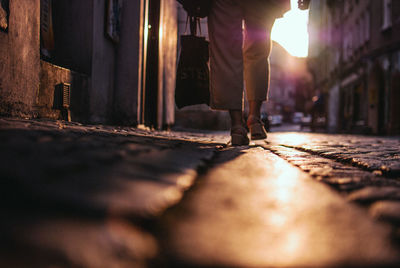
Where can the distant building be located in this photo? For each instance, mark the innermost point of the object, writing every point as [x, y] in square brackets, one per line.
[355, 61]
[98, 61]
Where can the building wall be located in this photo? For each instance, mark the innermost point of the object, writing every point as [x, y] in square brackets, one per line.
[127, 65]
[51, 76]
[103, 64]
[103, 72]
[19, 60]
[70, 61]
[365, 66]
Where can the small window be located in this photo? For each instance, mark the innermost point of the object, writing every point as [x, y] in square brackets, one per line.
[367, 25]
[387, 14]
[358, 36]
[4, 14]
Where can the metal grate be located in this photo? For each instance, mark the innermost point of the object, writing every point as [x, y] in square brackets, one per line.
[66, 93]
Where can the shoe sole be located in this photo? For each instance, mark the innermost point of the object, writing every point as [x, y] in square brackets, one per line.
[260, 132]
[238, 140]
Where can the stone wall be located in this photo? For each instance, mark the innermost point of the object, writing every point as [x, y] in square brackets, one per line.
[50, 77]
[19, 60]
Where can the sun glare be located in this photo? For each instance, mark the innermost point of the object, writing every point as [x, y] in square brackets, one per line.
[291, 31]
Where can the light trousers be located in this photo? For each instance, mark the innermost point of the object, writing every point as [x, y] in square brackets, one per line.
[240, 45]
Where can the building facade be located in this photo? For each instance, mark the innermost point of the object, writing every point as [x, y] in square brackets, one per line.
[97, 61]
[354, 58]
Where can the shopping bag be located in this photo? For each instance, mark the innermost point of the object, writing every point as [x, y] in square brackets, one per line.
[192, 79]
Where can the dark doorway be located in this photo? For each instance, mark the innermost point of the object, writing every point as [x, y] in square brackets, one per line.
[66, 34]
[150, 94]
[395, 105]
[376, 88]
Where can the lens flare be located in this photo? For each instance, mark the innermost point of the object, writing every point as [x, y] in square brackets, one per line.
[291, 31]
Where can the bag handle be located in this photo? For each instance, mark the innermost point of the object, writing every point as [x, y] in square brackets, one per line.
[194, 24]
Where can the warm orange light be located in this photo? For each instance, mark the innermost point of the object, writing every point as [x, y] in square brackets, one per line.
[291, 31]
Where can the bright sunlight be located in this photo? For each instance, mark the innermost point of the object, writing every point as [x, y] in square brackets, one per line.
[291, 31]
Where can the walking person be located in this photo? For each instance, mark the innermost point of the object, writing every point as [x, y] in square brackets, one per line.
[240, 45]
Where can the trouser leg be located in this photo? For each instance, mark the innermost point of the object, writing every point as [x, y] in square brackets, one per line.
[226, 57]
[256, 51]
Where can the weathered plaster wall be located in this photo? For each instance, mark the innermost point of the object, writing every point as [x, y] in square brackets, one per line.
[19, 59]
[127, 65]
[103, 63]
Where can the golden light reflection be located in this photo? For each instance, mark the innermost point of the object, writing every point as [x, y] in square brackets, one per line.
[284, 184]
[293, 242]
[291, 31]
[293, 139]
[278, 220]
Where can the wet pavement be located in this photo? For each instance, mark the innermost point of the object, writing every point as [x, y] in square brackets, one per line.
[76, 195]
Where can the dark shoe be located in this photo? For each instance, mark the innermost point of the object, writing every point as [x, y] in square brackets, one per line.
[256, 128]
[239, 136]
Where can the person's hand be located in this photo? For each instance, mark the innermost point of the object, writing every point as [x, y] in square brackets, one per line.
[303, 4]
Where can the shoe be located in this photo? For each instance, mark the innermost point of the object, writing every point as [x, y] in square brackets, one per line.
[239, 136]
[256, 128]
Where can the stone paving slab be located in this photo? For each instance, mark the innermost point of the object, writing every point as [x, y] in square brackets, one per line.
[386, 210]
[98, 169]
[330, 159]
[331, 171]
[255, 210]
[68, 242]
[80, 196]
[370, 194]
[367, 152]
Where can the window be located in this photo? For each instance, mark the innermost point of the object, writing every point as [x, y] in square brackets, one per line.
[367, 26]
[387, 14]
[4, 14]
[362, 29]
[358, 35]
[345, 47]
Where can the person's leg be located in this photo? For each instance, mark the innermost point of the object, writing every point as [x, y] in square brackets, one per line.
[226, 57]
[236, 117]
[238, 131]
[226, 64]
[255, 108]
[254, 123]
[256, 51]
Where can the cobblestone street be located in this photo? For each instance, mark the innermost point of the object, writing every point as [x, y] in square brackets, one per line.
[76, 195]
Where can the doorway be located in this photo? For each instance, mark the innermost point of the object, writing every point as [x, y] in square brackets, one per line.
[150, 90]
[158, 63]
[376, 88]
